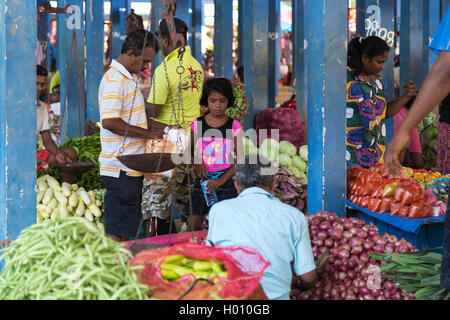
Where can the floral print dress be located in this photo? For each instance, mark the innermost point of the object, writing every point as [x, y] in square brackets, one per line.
[366, 128]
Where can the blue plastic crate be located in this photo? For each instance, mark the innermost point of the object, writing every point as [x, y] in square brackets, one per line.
[429, 235]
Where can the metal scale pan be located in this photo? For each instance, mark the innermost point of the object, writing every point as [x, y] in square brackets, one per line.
[74, 167]
[149, 162]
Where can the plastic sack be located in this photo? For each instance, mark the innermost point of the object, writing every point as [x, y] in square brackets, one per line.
[395, 208]
[404, 211]
[245, 268]
[374, 204]
[289, 122]
[412, 194]
[419, 210]
[385, 205]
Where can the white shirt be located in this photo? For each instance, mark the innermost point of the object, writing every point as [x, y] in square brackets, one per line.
[115, 97]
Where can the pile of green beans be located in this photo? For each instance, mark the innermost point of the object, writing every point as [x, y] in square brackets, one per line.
[67, 259]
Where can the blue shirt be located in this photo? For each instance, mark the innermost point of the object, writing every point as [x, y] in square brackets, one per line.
[278, 231]
[441, 38]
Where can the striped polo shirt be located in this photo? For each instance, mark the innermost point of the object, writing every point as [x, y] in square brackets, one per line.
[115, 97]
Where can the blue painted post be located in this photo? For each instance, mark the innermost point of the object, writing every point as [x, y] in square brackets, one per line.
[197, 21]
[445, 4]
[299, 66]
[154, 27]
[326, 61]
[223, 38]
[18, 30]
[274, 50]
[119, 10]
[240, 33]
[94, 56]
[72, 70]
[412, 44]
[433, 19]
[360, 17]
[255, 41]
[43, 30]
[184, 12]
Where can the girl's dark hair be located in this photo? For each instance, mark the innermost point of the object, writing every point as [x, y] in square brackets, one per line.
[135, 42]
[220, 85]
[371, 46]
[41, 71]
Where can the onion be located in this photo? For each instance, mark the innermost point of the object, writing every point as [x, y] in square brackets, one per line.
[353, 230]
[356, 242]
[322, 250]
[335, 291]
[335, 235]
[315, 298]
[361, 233]
[331, 259]
[334, 253]
[357, 222]
[372, 232]
[389, 247]
[364, 258]
[368, 297]
[325, 226]
[342, 276]
[402, 248]
[343, 254]
[380, 297]
[338, 263]
[365, 227]
[329, 243]
[378, 239]
[314, 231]
[392, 239]
[332, 218]
[322, 235]
[348, 225]
[346, 246]
[347, 235]
[379, 248]
[317, 291]
[316, 221]
[317, 242]
[375, 292]
[368, 244]
[397, 296]
[338, 226]
[357, 250]
[363, 290]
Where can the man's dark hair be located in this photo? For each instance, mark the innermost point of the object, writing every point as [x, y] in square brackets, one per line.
[220, 85]
[135, 42]
[180, 27]
[41, 71]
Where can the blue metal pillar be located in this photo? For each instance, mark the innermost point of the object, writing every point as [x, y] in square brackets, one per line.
[72, 69]
[433, 19]
[223, 38]
[119, 10]
[412, 45]
[240, 33]
[184, 12]
[255, 41]
[154, 27]
[298, 28]
[94, 56]
[197, 21]
[326, 61]
[360, 17]
[18, 32]
[274, 50]
[43, 30]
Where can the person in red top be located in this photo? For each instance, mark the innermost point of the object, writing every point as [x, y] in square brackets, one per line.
[413, 156]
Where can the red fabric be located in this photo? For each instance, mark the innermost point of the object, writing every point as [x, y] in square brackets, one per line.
[43, 155]
[414, 145]
[245, 268]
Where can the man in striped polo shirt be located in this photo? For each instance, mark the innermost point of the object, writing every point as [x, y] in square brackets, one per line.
[122, 112]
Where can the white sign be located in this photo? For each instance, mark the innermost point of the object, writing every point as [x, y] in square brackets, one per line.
[74, 21]
[373, 25]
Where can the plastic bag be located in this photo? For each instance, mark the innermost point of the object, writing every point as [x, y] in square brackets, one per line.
[404, 211]
[412, 194]
[419, 210]
[374, 204]
[245, 268]
[385, 205]
[395, 208]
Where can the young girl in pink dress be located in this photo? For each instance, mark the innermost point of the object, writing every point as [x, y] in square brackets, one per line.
[216, 137]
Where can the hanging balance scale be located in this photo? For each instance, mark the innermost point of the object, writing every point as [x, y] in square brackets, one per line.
[73, 167]
[156, 162]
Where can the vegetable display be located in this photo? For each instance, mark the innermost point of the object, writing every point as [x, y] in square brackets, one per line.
[404, 196]
[238, 110]
[67, 259]
[288, 121]
[88, 149]
[66, 200]
[351, 274]
[417, 273]
[290, 190]
[428, 132]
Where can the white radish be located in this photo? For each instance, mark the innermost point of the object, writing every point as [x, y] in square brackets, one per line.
[95, 210]
[47, 196]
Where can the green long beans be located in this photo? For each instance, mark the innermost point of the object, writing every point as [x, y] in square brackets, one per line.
[67, 259]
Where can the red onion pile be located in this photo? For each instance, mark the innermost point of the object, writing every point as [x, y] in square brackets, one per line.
[350, 273]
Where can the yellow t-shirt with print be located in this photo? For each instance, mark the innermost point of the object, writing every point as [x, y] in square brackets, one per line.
[192, 78]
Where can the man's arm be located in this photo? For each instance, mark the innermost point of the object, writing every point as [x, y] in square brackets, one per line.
[434, 89]
[153, 110]
[120, 127]
[308, 280]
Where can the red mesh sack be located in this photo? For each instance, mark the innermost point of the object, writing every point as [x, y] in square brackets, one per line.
[412, 194]
[404, 211]
[378, 192]
[386, 204]
[245, 268]
[374, 204]
[419, 210]
[395, 208]
[289, 122]
[365, 201]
